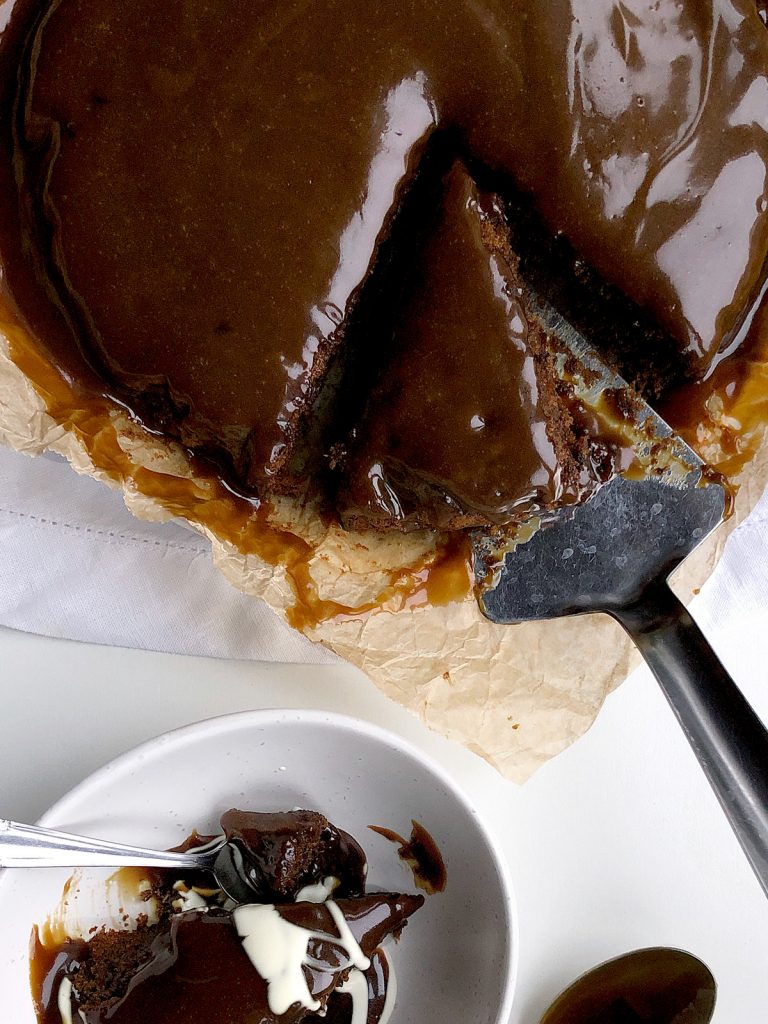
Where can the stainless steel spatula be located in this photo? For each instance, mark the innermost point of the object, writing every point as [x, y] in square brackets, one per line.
[614, 554]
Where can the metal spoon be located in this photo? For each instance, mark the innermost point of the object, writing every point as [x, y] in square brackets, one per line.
[647, 986]
[28, 846]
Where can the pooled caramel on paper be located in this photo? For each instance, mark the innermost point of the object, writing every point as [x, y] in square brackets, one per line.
[514, 695]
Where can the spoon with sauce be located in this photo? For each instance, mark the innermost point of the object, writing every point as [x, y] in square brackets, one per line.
[24, 846]
[647, 986]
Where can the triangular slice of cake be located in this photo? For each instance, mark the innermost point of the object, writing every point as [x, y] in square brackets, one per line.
[468, 424]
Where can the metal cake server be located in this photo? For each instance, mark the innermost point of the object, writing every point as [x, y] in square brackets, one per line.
[614, 554]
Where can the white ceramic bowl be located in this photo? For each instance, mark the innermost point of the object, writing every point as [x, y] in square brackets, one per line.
[458, 957]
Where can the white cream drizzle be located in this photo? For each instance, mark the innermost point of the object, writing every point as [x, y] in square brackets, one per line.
[64, 1001]
[278, 950]
[188, 899]
[348, 940]
[320, 892]
[356, 986]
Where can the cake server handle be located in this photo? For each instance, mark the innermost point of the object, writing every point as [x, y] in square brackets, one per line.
[728, 738]
[29, 846]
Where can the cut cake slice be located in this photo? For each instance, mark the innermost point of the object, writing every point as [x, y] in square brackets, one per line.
[468, 423]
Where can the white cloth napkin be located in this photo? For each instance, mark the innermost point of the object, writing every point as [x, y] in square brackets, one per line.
[76, 564]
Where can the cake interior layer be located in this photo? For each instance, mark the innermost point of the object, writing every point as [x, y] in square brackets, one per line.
[195, 197]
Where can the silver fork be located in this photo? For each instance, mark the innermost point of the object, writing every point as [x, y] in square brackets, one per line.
[29, 846]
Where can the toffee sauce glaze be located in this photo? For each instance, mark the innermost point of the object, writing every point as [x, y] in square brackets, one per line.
[190, 245]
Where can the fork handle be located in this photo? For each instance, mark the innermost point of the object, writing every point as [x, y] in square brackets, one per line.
[729, 740]
[28, 846]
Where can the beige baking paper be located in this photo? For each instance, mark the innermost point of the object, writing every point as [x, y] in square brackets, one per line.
[515, 695]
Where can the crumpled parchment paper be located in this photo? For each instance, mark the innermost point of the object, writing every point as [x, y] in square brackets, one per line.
[515, 695]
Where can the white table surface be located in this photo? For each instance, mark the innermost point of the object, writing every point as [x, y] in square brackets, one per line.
[616, 844]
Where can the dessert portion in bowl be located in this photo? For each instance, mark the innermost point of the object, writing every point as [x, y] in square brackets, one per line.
[309, 945]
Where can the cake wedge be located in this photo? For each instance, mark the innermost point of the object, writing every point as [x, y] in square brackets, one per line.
[469, 423]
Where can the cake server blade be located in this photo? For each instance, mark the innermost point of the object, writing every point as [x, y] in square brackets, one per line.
[614, 554]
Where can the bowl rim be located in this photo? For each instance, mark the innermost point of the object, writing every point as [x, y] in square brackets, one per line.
[265, 717]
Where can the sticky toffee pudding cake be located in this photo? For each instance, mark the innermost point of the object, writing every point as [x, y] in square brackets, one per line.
[195, 198]
[291, 238]
[307, 947]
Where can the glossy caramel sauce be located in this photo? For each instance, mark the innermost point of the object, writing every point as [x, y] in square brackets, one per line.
[377, 977]
[182, 963]
[422, 855]
[470, 444]
[190, 245]
[193, 968]
[281, 853]
[653, 986]
[46, 963]
[444, 578]
[724, 416]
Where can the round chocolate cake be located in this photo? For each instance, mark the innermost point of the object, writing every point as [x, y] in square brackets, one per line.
[238, 221]
[267, 266]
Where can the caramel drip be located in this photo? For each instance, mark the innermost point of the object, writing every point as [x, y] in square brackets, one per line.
[724, 417]
[422, 855]
[204, 501]
[444, 579]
